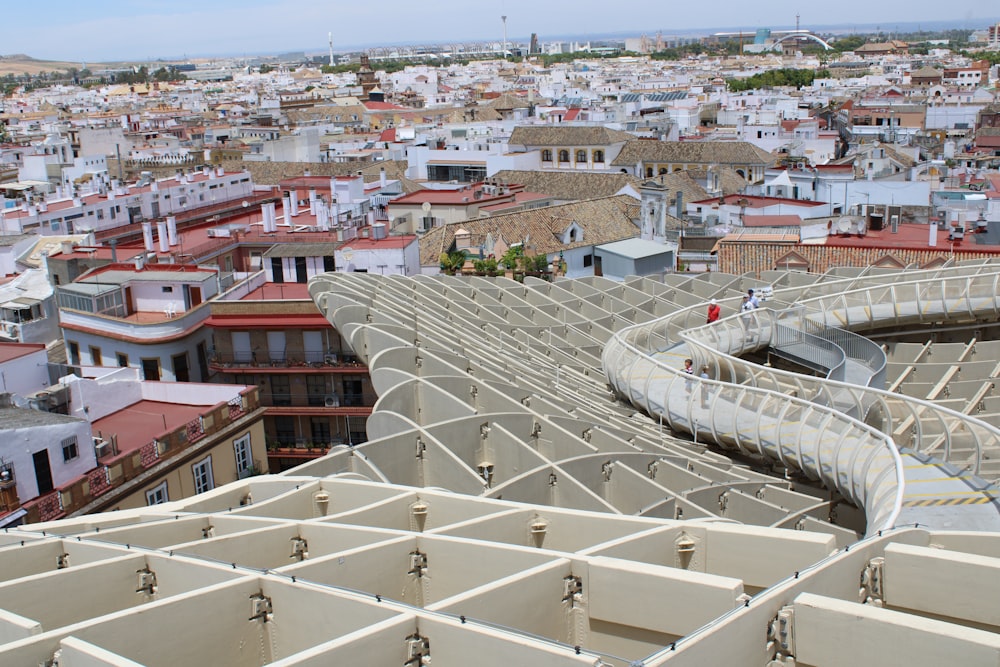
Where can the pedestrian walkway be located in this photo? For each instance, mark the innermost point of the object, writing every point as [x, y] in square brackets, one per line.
[902, 459]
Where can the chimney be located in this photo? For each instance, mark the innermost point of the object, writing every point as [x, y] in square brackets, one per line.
[161, 231]
[114, 250]
[932, 240]
[172, 230]
[381, 177]
[147, 236]
[67, 247]
[220, 172]
[322, 216]
[312, 201]
[272, 218]
[286, 210]
[293, 196]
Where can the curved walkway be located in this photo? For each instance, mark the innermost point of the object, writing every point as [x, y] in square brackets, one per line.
[902, 459]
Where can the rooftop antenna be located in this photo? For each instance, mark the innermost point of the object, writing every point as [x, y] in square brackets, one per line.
[796, 22]
[330, 35]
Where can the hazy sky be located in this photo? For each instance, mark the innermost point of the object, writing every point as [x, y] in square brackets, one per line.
[95, 30]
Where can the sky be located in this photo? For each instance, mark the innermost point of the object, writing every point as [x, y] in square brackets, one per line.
[105, 30]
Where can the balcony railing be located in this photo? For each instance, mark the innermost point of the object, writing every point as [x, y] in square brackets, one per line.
[290, 360]
[327, 400]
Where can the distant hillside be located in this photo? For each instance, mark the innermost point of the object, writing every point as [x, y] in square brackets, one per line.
[19, 63]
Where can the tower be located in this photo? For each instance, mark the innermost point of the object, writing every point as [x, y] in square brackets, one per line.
[330, 35]
[504, 19]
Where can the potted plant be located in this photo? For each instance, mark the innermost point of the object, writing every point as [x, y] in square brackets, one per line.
[452, 262]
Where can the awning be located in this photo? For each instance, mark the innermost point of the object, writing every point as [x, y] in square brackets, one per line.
[268, 321]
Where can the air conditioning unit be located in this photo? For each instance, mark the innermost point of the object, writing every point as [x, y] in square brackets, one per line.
[332, 401]
[101, 447]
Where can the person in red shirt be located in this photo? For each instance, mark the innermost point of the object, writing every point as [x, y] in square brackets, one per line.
[714, 311]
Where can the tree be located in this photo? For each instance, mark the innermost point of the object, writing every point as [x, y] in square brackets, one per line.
[264, 69]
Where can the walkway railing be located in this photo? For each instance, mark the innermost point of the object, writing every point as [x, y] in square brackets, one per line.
[842, 433]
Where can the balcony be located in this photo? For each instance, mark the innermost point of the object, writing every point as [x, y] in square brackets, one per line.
[291, 404]
[138, 326]
[9, 501]
[117, 468]
[289, 362]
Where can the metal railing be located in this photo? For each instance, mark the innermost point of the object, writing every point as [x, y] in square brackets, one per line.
[844, 434]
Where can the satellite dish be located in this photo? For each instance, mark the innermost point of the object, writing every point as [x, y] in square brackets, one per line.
[20, 401]
[426, 206]
[844, 225]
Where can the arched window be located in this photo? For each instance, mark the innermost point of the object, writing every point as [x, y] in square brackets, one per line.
[598, 156]
[546, 155]
[663, 170]
[564, 156]
[581, 156]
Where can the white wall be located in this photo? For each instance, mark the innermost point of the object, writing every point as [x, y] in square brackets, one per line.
[21, 443]
[25, 375]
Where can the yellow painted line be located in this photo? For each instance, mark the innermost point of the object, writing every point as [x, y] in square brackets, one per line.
[947, 502]
[945, 494]
[938, 479]
[842, 320]
[922, 465]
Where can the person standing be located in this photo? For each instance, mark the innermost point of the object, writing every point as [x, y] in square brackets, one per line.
[714, 311]
[747, 317]
[754, 301]
[689, 371]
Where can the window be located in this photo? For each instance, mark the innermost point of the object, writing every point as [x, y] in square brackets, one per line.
[316, 390]
[151, 369]
[598, 156]
[244, 464]
[546, 155]
[280, 390]
[122, 359]
[74, 353]
[320, 430]
[157, 495]
[69, 449]
[581, 156]
[588, 260]
[564, 156]
[202, 471]
[95, 355]
[167, 288]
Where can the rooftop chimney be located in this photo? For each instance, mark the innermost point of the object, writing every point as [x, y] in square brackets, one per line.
[172, 230]
[381, 177]
[286, 210]
[293, 197]
[147, 236]
[161, 230]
